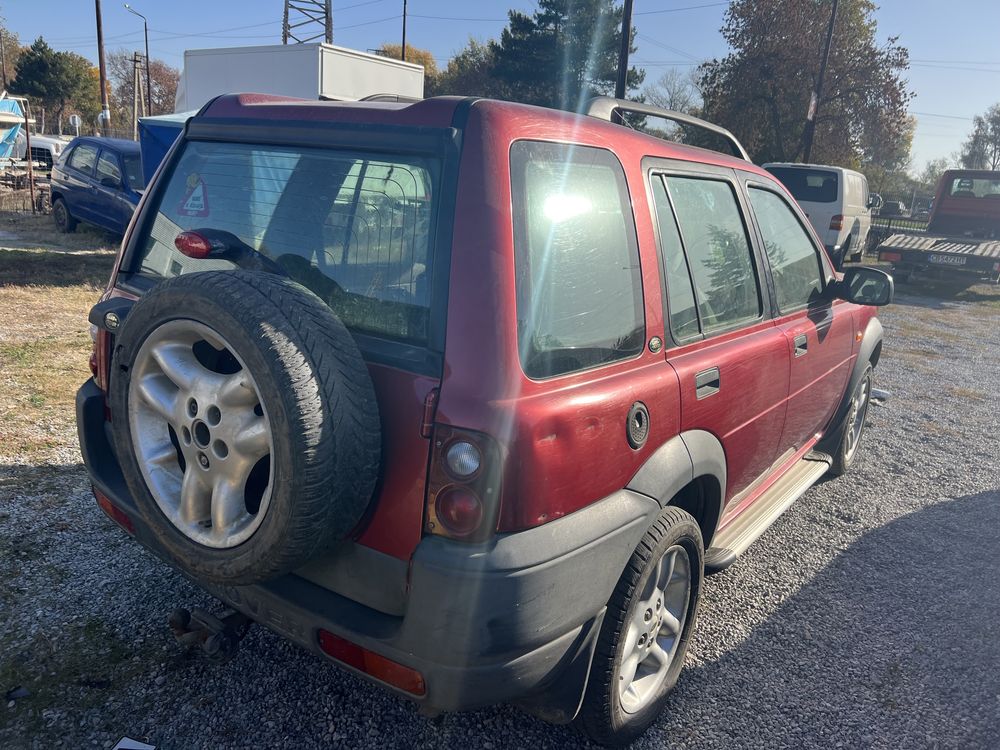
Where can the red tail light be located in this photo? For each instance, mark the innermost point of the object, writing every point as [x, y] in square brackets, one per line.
[369, 662]
[193, 245]
[463, 487]
[459, 510]
[837, 223]
[889, 256]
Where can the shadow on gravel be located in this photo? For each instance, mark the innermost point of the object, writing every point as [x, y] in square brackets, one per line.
[894, 644]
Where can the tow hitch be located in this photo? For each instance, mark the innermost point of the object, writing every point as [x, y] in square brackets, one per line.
[219, 637]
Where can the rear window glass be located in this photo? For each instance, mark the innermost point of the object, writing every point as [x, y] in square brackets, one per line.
[133, 168]
[968, 187]
[809, 185]
[579, 288]
[352, 226]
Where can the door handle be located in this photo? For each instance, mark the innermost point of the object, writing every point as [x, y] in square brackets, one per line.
[707, 383]
[801, 345]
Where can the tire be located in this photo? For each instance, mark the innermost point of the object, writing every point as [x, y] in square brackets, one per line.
[853, 429]
[606, 716]
[253, 369]
[64, 221]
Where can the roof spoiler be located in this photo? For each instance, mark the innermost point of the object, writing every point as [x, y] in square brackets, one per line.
[605, 107]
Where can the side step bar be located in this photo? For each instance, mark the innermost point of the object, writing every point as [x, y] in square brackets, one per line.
[733, 540]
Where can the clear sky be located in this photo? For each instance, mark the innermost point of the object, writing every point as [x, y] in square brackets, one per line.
[953, 45]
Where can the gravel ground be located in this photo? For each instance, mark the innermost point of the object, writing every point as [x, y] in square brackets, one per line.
[864, 618]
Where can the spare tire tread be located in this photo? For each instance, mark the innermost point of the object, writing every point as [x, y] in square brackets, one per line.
[334, 430]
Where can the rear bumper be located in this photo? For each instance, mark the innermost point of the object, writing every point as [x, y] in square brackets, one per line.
[904, 259]
[512, 620]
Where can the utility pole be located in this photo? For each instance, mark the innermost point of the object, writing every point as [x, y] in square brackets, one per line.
[810, 129]
[404, 31]
[3, 61]
[301, 19]
[145, 31]
[623, 50]
[136, 90]
[105, 109]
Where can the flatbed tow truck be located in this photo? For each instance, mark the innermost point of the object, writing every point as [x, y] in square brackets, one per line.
[962, 238]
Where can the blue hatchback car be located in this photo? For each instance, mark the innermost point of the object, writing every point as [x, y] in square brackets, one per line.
[97, 180]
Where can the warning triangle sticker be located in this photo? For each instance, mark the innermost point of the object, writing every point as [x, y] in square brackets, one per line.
[195, 201]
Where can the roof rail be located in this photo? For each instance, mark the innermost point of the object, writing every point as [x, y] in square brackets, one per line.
[605, 107]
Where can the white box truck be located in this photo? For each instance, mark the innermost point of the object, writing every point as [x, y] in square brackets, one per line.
[308, 71]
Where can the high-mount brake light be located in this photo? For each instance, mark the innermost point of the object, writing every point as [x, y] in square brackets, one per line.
[193, 245]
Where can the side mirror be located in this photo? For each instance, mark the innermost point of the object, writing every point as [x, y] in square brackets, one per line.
[865, 286]
[111, 182]
[874, 201]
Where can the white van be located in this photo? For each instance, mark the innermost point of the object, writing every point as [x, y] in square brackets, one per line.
[837, 202]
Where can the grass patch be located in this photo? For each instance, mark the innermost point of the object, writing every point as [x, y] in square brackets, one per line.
[45, 344]
[40, 231]
[968, 394]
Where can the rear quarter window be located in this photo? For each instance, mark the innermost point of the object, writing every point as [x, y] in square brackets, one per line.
[352, 226]
[579, 288]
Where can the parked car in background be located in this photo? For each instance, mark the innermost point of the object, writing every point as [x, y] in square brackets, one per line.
[45, 149]
[99, 181]
[837, 202]
[468, 395]
[894, 208]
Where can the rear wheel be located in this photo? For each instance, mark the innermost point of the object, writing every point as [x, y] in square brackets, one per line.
[61, 216]
[644, 637]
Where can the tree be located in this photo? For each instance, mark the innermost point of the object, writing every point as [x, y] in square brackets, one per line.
[762, 89]
[562, 54]
[676, 90]
[121, 77]
[469, 73]
[416, 56]
[982, 149]
[11, 49]
[931, 174]
[59, 80]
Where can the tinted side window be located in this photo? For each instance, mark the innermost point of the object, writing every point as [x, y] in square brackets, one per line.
[107, 168]
[680, 293]
[83, 158]
[795, 264]
[579, 289]
[718, 251]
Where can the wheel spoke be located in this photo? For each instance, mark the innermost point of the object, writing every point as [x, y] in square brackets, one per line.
[659, 657]
[228, 506]
[254, 441]
[665, 570]
[160, 394]
[195, 497]
[238, 390]
[164, 456]
[670, 623]
[177, 361]
[629, 667]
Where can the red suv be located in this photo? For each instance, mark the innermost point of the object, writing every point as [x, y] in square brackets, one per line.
[468, 395]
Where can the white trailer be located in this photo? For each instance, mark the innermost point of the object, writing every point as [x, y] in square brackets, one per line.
[308, 71]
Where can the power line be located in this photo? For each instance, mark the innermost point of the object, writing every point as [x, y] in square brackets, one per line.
[454, 18]
[678, 10]
[667, 47]
[948, 117]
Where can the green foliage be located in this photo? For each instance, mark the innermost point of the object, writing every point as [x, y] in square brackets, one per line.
[59, 81]
[559, 56]
[761, 90]
[982, 149]
[469, 73]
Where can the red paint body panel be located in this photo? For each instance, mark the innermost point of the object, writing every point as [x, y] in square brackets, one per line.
[818, 378]
[395, 517]
[748, 412]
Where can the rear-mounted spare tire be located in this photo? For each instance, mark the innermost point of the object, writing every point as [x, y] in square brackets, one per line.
[245, 423]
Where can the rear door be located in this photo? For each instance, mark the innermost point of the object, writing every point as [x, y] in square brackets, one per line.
[731, 361]
[109, 198]
[819, 333]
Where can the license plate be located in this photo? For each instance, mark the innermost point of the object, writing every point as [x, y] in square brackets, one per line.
[947, 260]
